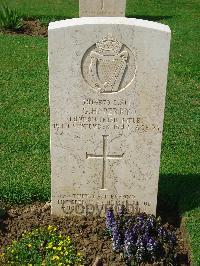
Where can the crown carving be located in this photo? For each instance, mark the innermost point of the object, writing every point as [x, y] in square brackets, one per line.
[109, 45]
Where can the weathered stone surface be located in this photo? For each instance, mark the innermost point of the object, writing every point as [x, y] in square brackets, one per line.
[102, 8]
[107, 95]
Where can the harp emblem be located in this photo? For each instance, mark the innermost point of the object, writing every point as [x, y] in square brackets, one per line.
[105, 65]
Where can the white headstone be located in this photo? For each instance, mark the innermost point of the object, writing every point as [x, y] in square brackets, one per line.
[107, 96]
[102, 8]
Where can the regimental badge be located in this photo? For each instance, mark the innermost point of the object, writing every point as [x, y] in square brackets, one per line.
[109, 66]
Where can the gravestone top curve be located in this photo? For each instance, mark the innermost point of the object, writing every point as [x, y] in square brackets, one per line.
[115, 20]
[102, 8]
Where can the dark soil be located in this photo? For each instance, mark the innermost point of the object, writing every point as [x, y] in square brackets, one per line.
[88, 233]
[30, 27]
[34, 28]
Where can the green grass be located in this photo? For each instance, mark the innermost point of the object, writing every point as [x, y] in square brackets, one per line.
[25, 163]
[192, 222]
[45, 9]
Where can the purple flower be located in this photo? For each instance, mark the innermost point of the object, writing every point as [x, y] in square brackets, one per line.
[141, 238]
[145, 238]
[151, 221]
[122, 211]
[110, 220]
[129, 242]
[140, 253]
[152, 247]
[139, 242]
[162, 233]
[140, 220]
[116, 238]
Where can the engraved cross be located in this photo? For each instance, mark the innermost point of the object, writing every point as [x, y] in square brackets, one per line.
[104, 156]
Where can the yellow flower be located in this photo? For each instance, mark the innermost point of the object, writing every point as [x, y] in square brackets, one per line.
[55, 258]
[50, 227]
[50, 245]
[60, 243]
[29, 245]
[59, 248]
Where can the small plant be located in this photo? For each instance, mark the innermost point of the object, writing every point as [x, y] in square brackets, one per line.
[44, 246]
[9, 19]
[44, 21]
[141, 238]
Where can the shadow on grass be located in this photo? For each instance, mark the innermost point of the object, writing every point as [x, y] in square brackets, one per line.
[152, 18]
[178, 194]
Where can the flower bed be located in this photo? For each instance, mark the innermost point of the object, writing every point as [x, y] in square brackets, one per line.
[88, 234]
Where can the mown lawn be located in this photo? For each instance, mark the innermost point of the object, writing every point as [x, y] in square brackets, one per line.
[24, 119]
[25, 157]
